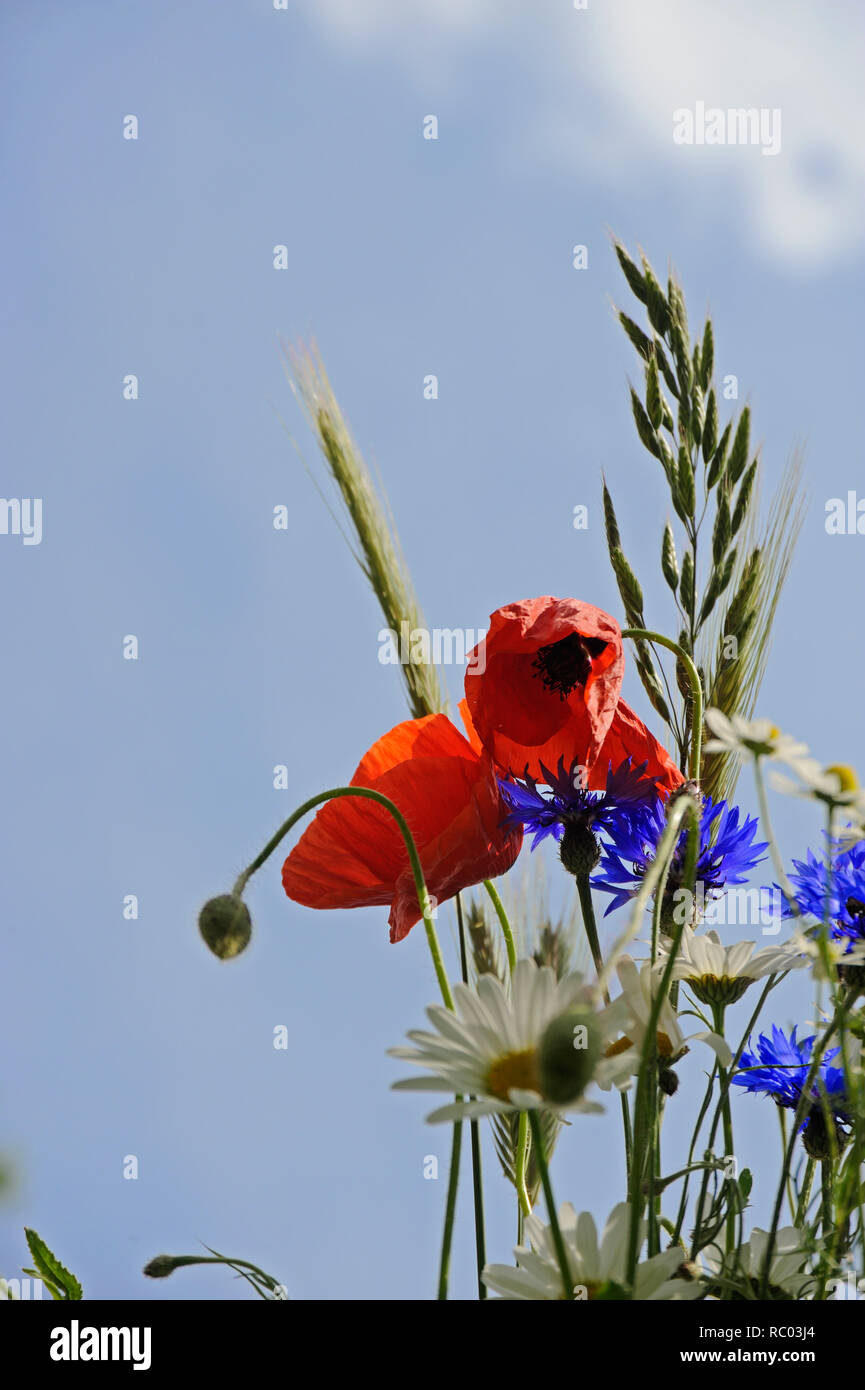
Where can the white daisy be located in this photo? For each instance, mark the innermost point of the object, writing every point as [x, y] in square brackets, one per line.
[629, 1015]
[719, 974]
[789, 1276]
[596, 1270]
[531, 1043]
[839, 951]
[757, 738]
[835, 786]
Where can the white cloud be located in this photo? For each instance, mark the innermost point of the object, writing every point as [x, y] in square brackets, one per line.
[607, 80]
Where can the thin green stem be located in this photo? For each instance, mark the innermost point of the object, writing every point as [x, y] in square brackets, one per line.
[477, 1173]
[522, 1155]
[555, 1229]
[510, 944]
[729, 1151]
[587, 908]
[805, 1194]
[450, 1210]
[414, 859]
[696, 691]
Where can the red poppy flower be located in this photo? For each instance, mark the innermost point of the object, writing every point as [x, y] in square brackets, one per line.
[353, 855]
[545, 684]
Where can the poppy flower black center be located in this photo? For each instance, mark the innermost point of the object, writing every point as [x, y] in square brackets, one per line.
[562, 666]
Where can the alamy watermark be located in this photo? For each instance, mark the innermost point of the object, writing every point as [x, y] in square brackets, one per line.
[438, 646]
[735, 125]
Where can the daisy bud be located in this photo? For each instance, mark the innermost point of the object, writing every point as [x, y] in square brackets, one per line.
[579, 850]
[226, 925]
[567, 1055]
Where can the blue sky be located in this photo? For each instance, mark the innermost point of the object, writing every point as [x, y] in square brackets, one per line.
[259, 647]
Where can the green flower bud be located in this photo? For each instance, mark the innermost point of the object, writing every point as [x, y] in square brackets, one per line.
[579, 851]
[568, 1054]
[226, 925]
[160, 1267]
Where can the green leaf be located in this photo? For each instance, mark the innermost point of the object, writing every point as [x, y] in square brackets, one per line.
[52, 1272]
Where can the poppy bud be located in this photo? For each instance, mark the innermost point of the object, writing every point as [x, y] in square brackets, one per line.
[567, 1055]
[579, 851]
[160, 1267]
[226, 925]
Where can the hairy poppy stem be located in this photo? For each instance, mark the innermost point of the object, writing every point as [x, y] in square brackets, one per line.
[414, 859]
[641, 634]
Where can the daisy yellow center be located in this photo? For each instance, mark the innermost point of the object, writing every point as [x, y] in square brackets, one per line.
[665, 1047]
[847, 779]
[515, 1069]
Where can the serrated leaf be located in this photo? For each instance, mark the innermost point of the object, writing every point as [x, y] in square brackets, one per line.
[50, 1269]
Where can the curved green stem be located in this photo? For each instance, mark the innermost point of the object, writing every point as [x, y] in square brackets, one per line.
[510, 944]
[642, 634]
[414, 859]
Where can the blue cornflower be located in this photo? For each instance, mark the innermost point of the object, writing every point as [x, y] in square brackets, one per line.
[842, 890]
[727, 853]
[571, 813]
[780, 1068]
